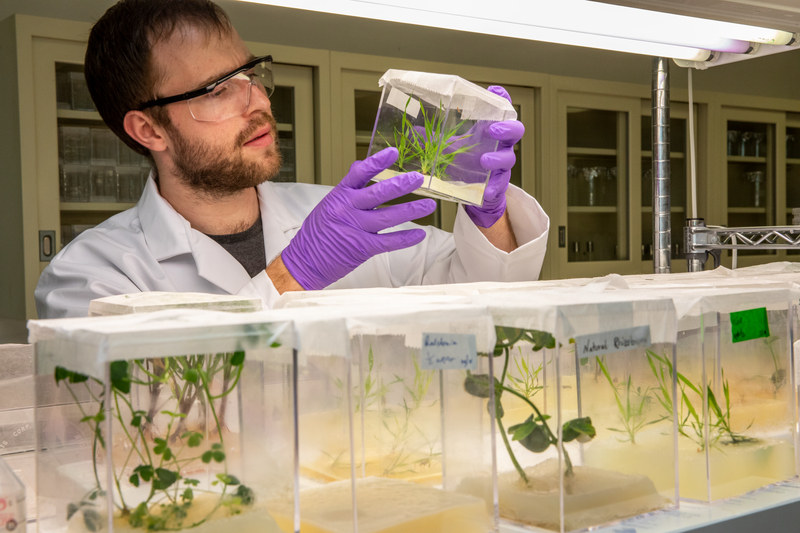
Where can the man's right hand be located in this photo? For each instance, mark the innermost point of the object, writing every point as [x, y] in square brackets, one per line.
[341, 232]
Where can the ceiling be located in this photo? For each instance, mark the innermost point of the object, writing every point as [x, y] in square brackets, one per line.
[776, 14]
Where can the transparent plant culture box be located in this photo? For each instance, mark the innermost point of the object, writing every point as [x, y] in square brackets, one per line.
[440, 127]
[174, 420]
[582, 441]
[736, 399]
[387, 429]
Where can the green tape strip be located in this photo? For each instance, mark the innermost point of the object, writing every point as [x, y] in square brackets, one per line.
[749, 325]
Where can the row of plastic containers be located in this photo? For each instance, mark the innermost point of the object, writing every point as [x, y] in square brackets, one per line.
[556, 406]
[97, 183]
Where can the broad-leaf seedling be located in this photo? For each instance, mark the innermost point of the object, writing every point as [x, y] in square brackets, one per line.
[534, 433]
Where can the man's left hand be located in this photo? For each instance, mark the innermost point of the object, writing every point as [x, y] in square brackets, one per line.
[499, 162]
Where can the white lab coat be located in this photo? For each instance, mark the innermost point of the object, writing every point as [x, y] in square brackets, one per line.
[153, 248]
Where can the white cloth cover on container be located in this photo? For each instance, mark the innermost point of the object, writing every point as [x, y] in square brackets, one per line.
[86, 345]
[324, 326]
[567, 313]
[451, 91]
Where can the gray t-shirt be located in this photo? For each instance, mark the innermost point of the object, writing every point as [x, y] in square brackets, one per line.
[246, 247]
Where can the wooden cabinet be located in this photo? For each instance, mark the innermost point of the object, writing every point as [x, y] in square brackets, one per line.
[599, 200]
[755, 186]
[53, 206]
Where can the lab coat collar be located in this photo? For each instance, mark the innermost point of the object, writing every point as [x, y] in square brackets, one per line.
[163, 227]
[278, 221]
[168, 234]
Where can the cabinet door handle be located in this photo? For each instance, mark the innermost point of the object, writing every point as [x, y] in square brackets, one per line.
[47, 245]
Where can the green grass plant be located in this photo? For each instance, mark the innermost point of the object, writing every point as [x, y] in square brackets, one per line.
[631, 403]
[428, 153]
[690, 417]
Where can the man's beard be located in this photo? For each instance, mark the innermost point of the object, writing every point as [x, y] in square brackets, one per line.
[217, 172]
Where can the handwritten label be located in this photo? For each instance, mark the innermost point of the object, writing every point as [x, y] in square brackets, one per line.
[403, 102]
[598, 344]
[449, 351]
[749, 325]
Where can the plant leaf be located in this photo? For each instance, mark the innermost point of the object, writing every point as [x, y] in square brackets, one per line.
[478, 385]
[578, 428]
[237, 359]
[118, 371]
[537, 440]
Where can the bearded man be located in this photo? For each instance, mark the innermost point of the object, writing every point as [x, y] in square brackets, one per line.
[173, 79]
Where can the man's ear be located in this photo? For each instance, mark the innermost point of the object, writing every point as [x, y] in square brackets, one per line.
[143, 130]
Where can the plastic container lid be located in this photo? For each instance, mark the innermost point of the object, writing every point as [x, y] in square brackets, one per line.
[147, 302]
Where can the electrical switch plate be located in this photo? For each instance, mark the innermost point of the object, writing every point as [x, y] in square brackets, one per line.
[562, 236]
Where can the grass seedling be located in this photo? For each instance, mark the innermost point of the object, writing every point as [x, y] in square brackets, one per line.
[431, 152]
[375, 389]
[528, 382]
[534, 433]
[690, 419]
[631, 407]
[160, 460]
[402, 428]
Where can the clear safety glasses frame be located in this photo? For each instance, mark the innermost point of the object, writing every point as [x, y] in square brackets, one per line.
[261, 75]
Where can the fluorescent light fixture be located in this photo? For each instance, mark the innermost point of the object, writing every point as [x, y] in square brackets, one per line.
[571, 22]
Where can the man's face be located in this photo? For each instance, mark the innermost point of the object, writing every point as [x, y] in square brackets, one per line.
[214, 158]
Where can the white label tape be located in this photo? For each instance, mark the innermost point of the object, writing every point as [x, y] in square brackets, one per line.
[403, 102]
[620, 340]
[449, 351]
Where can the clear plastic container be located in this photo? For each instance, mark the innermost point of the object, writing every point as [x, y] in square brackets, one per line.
[737, 406]
[581, 439]
[127, 157]
[148, 302]
[12, 500]
[104, 184]
[439, 125]
[176, 420]
[386, 437]
[104, 147]
[74, 145]
[130, 184]
[74, 183]
[79, 91]
[63, 90]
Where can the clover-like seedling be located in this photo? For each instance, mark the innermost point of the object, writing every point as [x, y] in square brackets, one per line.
[162, 458]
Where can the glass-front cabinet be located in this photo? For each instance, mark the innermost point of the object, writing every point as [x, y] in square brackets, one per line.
[595, 140]
[99, 176]
[756, 184]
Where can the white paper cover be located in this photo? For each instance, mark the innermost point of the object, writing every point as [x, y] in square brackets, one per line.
[147, 302]
[453, 92]
[324, 326]
[568, 313]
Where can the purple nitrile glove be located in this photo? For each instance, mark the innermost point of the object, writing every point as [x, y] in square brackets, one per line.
[499, 162]
[342, 231]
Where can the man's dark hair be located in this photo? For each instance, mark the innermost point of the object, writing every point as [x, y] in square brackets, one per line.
[119, 64]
